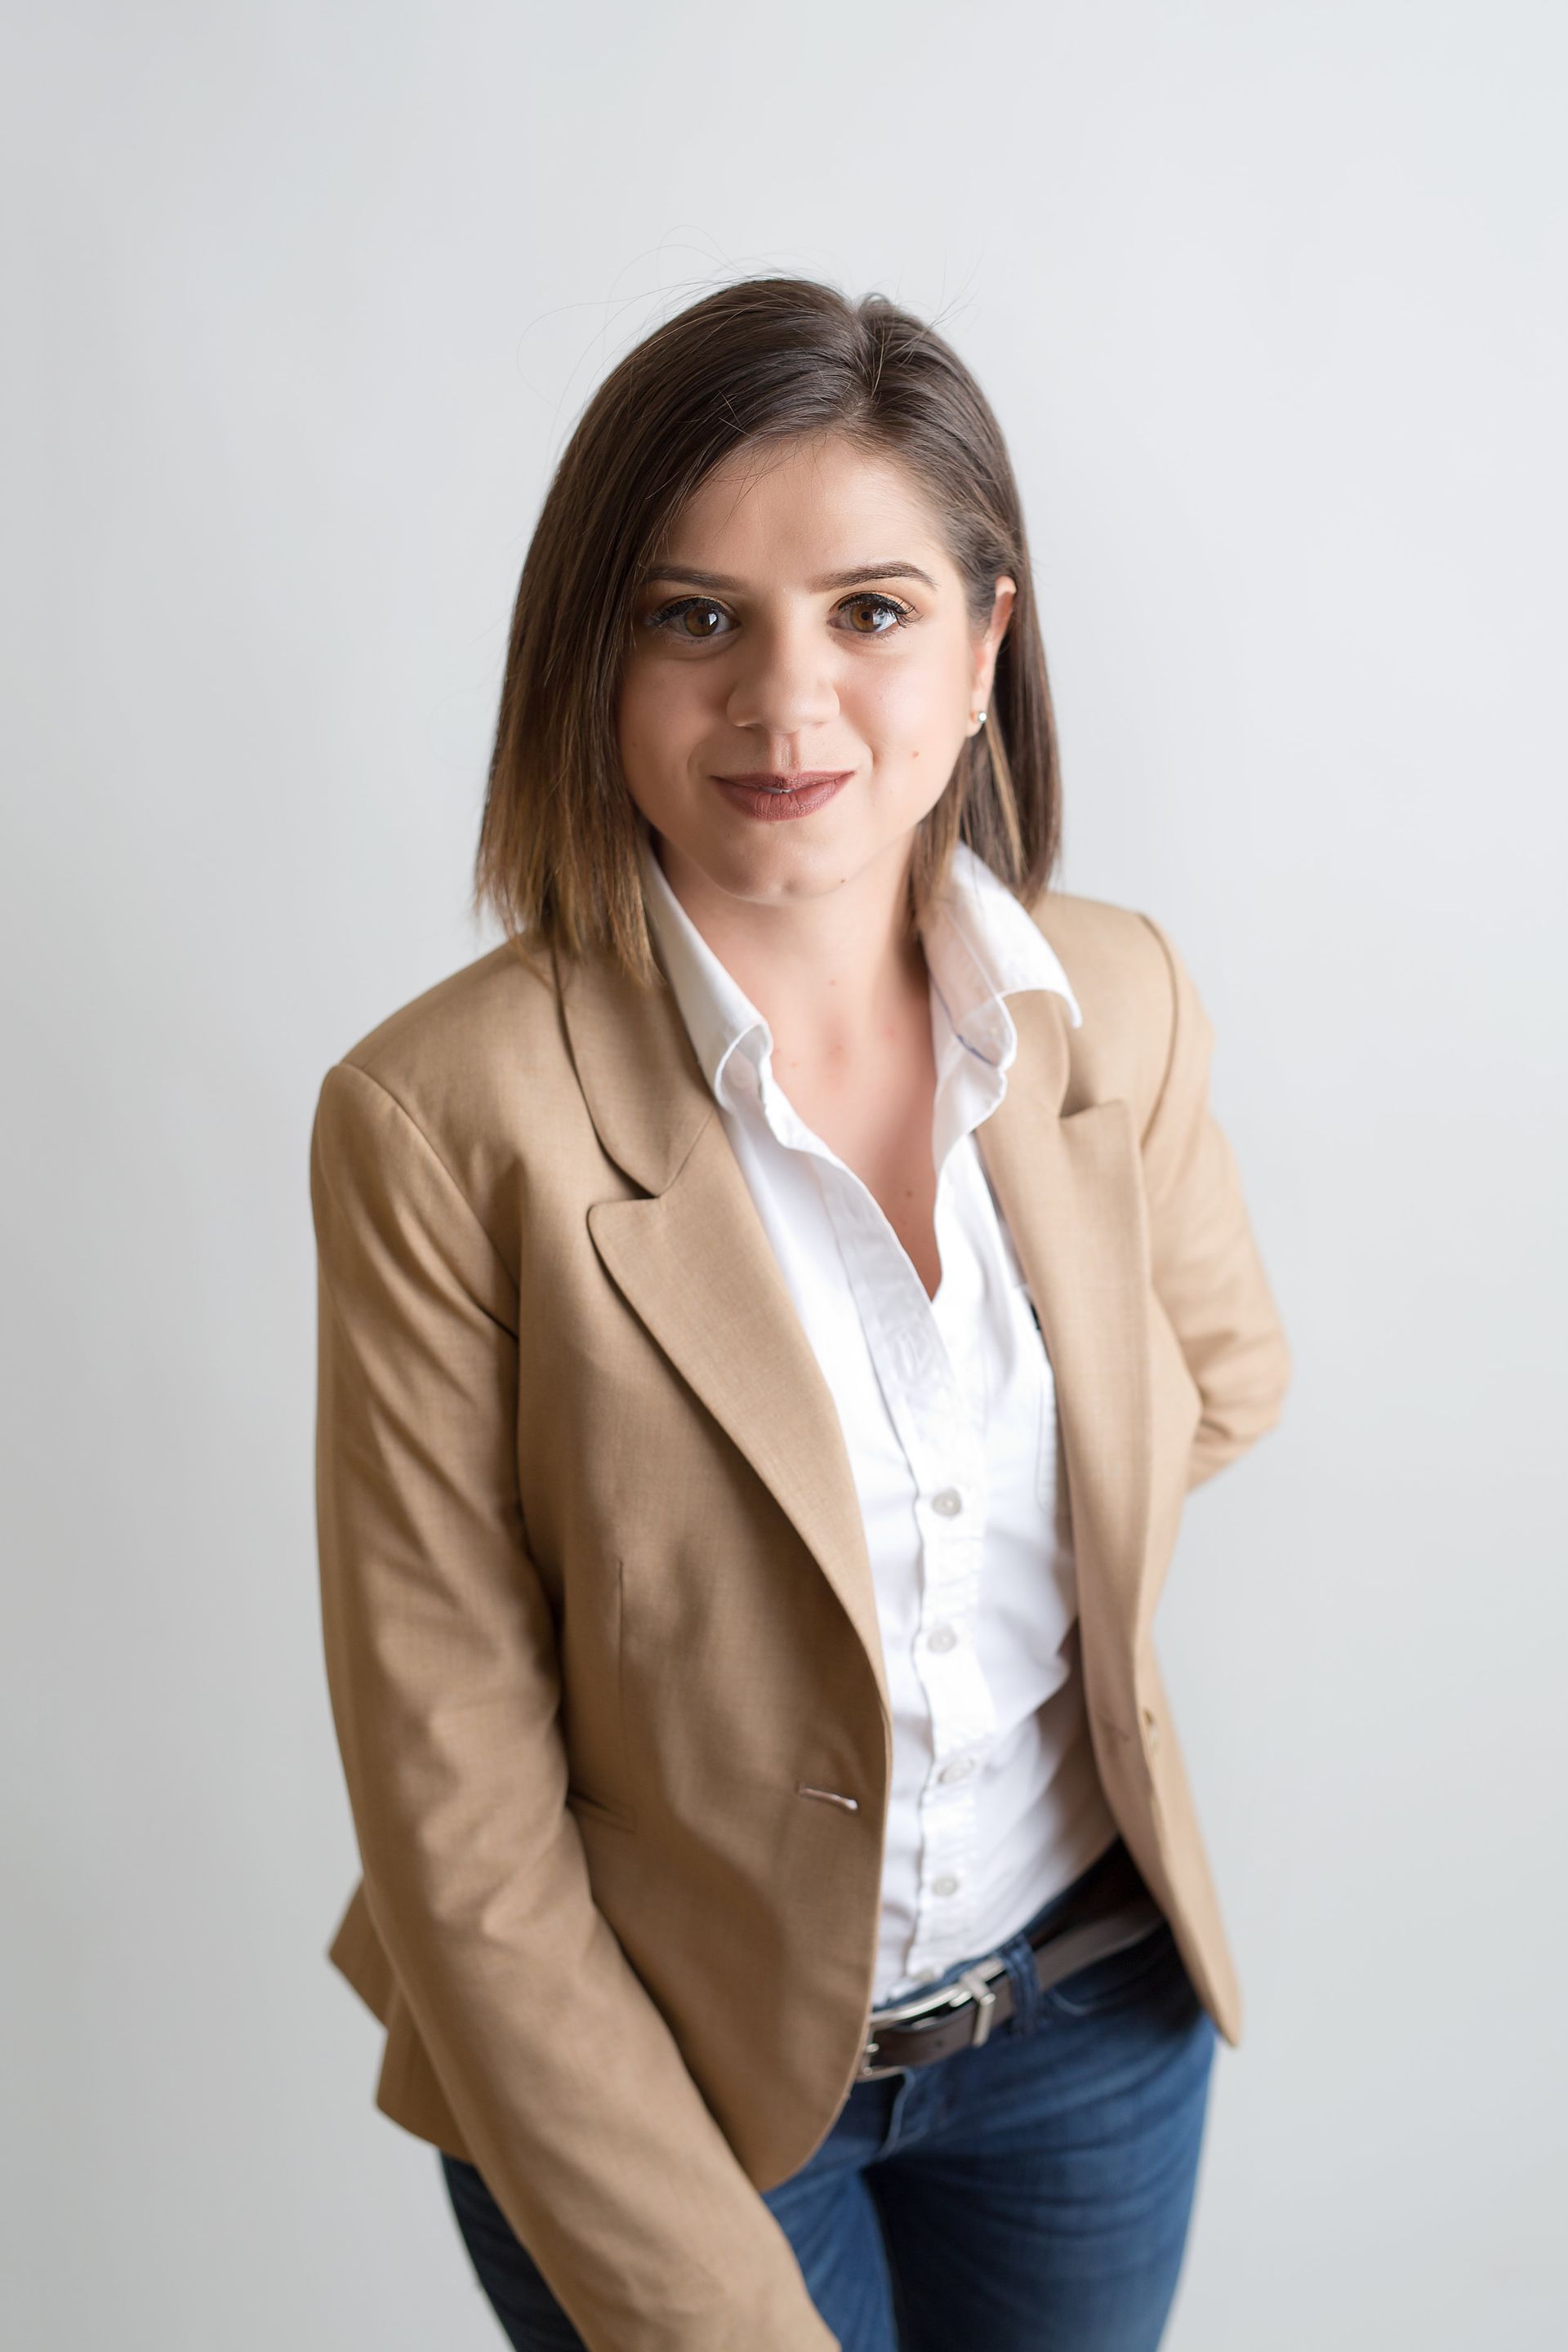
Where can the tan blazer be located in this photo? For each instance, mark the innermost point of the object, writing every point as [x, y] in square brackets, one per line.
[597, 1604]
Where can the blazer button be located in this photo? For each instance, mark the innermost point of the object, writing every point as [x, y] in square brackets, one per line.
[827, 1796]
[1154, 1729]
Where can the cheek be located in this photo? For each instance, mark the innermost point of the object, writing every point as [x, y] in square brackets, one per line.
[661, 711]
[917, 704]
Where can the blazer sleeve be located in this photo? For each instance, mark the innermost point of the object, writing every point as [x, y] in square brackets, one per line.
[561, 2072]
[1207, 1272]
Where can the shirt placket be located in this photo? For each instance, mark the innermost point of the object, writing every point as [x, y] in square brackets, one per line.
[932, 1406]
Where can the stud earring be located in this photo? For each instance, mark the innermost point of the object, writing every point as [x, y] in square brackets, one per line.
[980, 718]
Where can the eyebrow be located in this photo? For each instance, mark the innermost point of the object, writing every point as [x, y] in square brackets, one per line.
[899, 568]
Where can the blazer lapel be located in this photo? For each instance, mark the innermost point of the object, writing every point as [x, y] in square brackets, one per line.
[1069, 1186]
[693, 1260]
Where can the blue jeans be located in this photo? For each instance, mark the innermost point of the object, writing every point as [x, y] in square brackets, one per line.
[1029, 2196]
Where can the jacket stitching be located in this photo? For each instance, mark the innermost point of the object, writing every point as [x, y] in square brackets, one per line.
[1165, 1087]
[407, 1116]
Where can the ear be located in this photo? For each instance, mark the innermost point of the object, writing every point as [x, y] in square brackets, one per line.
[988, 645]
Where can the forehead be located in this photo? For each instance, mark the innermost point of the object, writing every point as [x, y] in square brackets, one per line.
[810, 506]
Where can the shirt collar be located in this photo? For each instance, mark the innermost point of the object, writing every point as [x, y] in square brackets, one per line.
[719, 1017]
[982, 946]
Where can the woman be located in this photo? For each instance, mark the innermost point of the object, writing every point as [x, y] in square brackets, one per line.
[773, 1309]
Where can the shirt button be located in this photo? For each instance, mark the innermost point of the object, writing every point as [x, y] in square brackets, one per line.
[948, 1504]
[940, 1637]
[945, 1884]
[959, 1770]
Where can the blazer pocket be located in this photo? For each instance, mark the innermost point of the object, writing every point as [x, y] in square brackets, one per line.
[598, 1779]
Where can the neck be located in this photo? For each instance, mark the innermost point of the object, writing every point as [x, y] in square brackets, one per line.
[832, 975]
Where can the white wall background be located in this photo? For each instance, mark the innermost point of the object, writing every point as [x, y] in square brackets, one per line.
[302, 300]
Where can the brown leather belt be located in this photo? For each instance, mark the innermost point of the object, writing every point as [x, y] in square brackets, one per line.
[1117, 1909]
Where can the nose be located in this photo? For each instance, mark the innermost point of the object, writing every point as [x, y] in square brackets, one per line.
[784, 685]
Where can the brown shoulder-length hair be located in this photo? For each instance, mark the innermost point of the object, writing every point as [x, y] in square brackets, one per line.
[765, 360]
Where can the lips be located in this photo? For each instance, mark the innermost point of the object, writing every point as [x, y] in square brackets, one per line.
[798, 779]
[773, 796]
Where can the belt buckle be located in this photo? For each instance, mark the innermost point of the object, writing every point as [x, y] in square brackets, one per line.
[974, 1985]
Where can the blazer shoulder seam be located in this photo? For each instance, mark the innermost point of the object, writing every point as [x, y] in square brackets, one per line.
[357, 1070]
[1168, 966]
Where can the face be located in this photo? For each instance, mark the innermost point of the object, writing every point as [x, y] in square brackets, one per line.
[803, 675]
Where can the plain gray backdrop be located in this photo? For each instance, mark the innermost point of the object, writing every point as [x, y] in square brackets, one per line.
[301, 303]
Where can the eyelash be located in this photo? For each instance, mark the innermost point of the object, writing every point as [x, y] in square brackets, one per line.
[902, 613]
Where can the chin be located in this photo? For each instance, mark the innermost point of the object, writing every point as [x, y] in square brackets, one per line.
[770, 869]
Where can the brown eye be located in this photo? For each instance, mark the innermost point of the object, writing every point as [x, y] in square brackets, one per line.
[873, 617]
[695, 620]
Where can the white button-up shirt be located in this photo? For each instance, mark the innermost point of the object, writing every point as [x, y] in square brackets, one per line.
[948, 1409]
